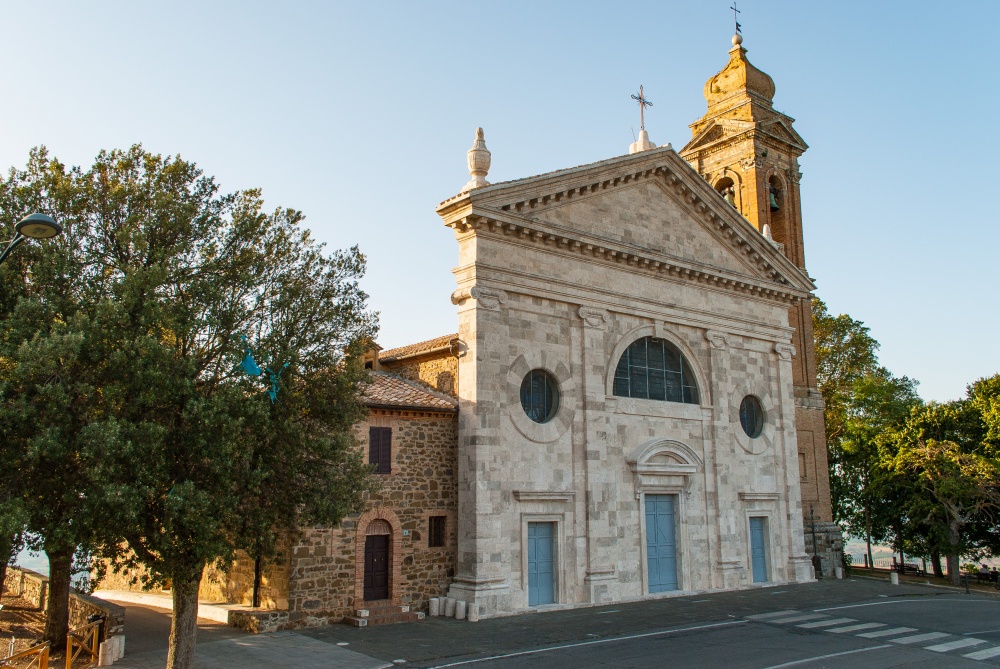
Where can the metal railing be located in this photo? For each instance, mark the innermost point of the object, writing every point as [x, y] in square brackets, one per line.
[40, 654]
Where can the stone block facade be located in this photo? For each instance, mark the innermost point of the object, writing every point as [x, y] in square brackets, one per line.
[563, 273]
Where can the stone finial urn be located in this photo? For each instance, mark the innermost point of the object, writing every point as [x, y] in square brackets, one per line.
[479, 162]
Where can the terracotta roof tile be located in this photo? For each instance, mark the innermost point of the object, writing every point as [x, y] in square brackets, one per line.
[415, 349]
[391, 391]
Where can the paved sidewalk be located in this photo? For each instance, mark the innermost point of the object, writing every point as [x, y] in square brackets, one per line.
[263, 651]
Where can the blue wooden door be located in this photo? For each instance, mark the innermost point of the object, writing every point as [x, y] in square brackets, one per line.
[758, 551]
[661, 543]
[541, 578]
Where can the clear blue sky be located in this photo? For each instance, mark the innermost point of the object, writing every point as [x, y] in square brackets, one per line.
[360, 114]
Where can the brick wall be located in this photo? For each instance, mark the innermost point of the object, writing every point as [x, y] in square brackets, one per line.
[326, 579]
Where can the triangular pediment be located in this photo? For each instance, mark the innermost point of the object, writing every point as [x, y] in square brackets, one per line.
[782, 130]
[650, 209]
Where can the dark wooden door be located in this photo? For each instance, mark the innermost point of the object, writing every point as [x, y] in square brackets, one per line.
[376, 567]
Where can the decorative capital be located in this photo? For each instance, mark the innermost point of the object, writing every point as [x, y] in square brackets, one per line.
[793, 175]
[488, 298]
[784, 351]
[594, 318]
[717, 339]
[751, 162]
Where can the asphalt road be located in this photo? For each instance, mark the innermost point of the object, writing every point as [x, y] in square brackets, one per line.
[148, 628]
[854, 623]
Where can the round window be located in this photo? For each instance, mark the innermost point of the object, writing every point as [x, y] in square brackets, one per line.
[539, 395]
[751, 416]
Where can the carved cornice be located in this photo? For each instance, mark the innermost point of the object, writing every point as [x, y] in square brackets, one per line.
[594, 318]
[759, 496]
[544, 496]
[533, 231]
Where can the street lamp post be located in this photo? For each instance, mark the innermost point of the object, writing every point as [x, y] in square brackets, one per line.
[33, 226]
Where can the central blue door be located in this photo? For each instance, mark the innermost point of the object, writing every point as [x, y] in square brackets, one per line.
[758, 553]
[661, 543]
[541, 580]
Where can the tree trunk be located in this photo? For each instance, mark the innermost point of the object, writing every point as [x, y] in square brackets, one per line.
[936, 564]
[3, 577]
[57, 616]
[868, 537]
[954, 574]
[184, 622]
[954, 534]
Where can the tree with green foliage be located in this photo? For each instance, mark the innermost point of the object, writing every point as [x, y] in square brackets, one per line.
[877, 402]
[862, 400]
[49, 390]
[958, 487]
[185, 455]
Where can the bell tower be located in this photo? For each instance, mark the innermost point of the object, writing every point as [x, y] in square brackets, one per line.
[749, 152]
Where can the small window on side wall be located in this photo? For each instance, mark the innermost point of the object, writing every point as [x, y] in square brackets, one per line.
[380, 449]
[435, 531]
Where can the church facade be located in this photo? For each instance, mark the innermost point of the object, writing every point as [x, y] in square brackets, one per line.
[638, 411]
[628, 408]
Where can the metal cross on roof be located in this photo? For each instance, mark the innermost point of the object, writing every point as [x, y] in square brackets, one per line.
[643, 103]
[736, 18]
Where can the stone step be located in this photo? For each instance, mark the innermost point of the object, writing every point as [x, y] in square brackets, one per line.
[378, 609]
[384, 618]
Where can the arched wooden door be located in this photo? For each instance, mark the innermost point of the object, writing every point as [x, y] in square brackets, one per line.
[378, 546]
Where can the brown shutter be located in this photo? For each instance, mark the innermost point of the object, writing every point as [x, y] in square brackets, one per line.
[385, 451]
[373, 447]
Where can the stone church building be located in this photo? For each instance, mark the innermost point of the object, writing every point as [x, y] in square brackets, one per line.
[628, 408]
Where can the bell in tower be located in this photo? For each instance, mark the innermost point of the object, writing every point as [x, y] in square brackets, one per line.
[772, 198]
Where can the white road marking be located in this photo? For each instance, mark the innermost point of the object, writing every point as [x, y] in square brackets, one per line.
[919, 638]
[823, 657]
[881, 633]
[591, 643]
[954, 645]
[827, 623]
[900, 601]
[798, 619]
[984, 654]
[855, 628]
[773, 614]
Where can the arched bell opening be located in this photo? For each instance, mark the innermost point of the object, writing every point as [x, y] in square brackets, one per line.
[778, 209]
[727, 189]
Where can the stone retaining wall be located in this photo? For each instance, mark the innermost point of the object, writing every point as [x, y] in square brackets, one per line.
[34, 587]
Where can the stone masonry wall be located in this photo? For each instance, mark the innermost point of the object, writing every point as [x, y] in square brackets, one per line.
[439, 371]
[326, 570]
[232, 584]
[33, 587]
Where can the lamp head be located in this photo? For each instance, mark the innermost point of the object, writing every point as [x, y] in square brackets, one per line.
[38, 226]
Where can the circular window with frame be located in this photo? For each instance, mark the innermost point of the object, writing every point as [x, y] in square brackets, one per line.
[751, 416]
[539, 395]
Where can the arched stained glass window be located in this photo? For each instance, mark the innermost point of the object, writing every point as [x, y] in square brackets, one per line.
[655, 369]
